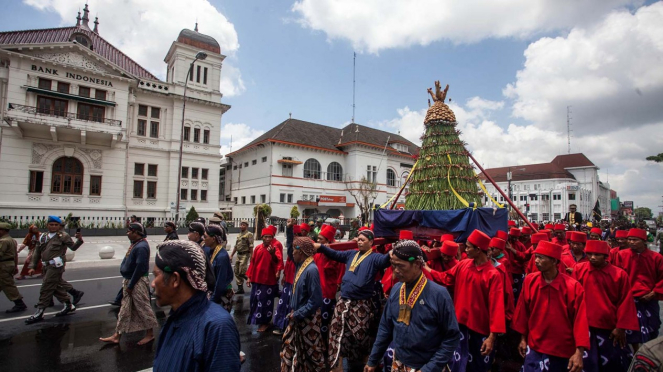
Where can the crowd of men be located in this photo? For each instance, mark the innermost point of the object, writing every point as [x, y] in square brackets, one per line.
[558, 299]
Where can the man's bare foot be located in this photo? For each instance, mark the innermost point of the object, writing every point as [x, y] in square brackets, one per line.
[263, 328]
[114, 339]
[146, 340]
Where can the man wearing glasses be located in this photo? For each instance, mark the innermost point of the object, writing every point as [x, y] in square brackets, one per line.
[573, 217]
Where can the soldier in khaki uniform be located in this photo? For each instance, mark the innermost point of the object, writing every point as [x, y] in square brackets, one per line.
[244, 249]
[51, 251]
[8, 268]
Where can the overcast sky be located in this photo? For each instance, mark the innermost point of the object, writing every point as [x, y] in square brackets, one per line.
[513, 67]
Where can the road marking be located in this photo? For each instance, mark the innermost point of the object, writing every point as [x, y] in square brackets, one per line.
[55, 312]
[72, 281]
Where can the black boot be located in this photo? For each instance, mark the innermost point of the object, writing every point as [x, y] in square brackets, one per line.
[36, 317]
[77, 295]
[68, 309]
[240, 289]
[50, 304]
[19, 306]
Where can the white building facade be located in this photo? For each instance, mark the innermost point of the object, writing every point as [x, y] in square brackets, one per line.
[85, 130]
[316, 168]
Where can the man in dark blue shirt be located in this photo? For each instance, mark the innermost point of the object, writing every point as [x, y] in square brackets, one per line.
[419, 318]
[199, 335]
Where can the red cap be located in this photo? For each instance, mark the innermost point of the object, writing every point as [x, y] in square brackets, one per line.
[511, 223]
[559, 226]
[502, 235]
[568, 234]
[497, 243]
[514, 232]
[405, 235]
[638, 233]
[578, 237]
[479, 239]
[450, 248]
[433, 254]
[273, 228]
[267, 231]
[547, 232]
[539, 237]
[621, 234]
[596, 230]
[549, 226]
[597, 246]
[328, 232]
[304, 227]
[549, 249]
[446, 237]
[526, 230]
[296, 229]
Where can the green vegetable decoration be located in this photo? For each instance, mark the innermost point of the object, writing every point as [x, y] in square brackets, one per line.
[443, 178]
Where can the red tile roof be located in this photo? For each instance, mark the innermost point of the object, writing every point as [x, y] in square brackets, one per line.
[528, 172]
[572, 161]
[63, 35]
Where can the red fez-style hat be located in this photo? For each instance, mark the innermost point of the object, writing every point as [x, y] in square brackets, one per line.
[273, 229]
[596, 230]
[597, 246]
[514, 232]
[621, 234]
[511, 223]
[549, 226]
[568, 235]
[405, 235]
[637, 233]
[446, 237]
[267, 231]
[547, 232]
[526, 230]
[559, 227]
[433, 254]
[296, 229]
[539, 237]
[328, 232]
[479, 239]
[549, 249]
[497, 243]
[363, 228]
[304, 227]
[578, 237]
[450, 248]
[502, 235]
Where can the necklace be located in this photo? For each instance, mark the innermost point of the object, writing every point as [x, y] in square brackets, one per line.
[300, 271]
[357, 260]
[405, 306]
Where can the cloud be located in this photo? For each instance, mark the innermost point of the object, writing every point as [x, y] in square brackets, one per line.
[240, 134]
[374, 25]
[145, 29]
[231, 81]
[611, 74]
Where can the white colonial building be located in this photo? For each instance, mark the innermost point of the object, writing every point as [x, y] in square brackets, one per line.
[316, 168]
[88, 131]
[549, 188]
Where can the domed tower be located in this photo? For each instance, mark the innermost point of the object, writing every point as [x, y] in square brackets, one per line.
[206, 74]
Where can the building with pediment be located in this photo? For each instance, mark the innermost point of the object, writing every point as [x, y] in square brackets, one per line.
[86, 130]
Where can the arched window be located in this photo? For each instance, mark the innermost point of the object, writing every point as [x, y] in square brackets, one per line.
[391, 177]
[312, 169]
[334, 172]
[67, 176]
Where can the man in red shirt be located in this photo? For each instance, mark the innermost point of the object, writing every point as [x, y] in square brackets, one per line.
[331, 274]
[444, 257]
[526, 236]
[608, 291]
[531, 263]
[620, 236]
[479, 302]
[517, 255]
[595, 233]
[645, 271]
[551, 316]
[496, 255]
[576, 254]
[559, 237]
[263, 269]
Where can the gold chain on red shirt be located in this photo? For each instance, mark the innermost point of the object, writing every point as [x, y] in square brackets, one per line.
[300, 271]
[356, 262]
[405, 306]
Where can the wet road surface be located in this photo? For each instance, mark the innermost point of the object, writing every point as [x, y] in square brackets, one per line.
[72, 343]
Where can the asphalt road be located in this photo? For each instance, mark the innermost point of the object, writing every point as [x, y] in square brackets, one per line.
[72, 343]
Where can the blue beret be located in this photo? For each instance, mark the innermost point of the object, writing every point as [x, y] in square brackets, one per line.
[55, 219]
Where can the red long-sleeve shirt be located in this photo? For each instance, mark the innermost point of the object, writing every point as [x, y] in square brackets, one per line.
[289, 272]
[519, 259]
[263, 269]
[509, 300]
[478, 295]
[277, 244]
[331, 274]
[553, 316]
[614, 255]
[645, 271]
[609, 292]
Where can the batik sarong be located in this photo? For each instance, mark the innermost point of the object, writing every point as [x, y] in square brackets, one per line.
[136, 312]
[603, 355]
[328, 306]
[351, 334]
[539, 362]
[467, 357]
[262, 303]
[283, 307]
[650, 322]
[302, 349]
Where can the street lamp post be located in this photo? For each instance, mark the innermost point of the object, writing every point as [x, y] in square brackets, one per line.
[199, 56]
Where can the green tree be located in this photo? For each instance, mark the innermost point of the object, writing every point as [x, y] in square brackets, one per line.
[443, 166]
[191, 216]
[642, 213]
[657, 158]
[294, 212]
